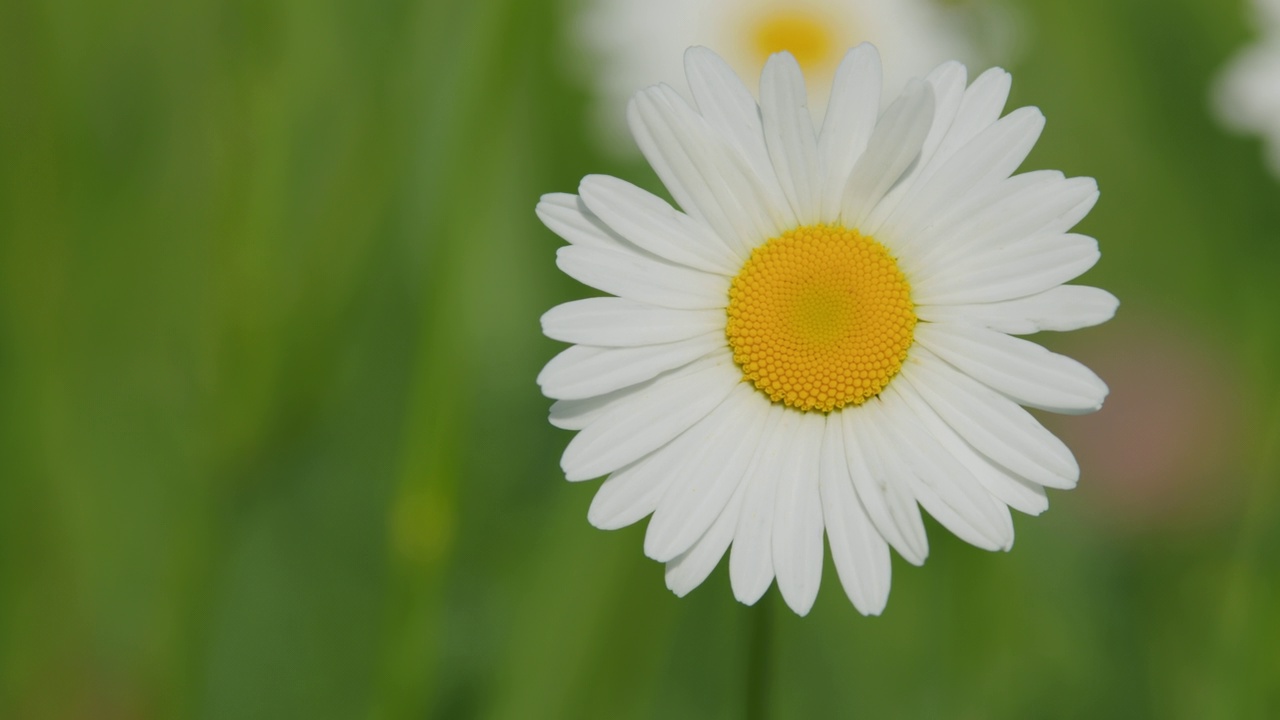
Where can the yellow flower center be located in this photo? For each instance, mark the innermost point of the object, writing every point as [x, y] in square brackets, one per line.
[820, 318]
[805, 36]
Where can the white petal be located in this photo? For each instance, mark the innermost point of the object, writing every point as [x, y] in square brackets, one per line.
[730, 110]
[885, 496]
[894, 145]
[605, 260]
[948, 83]
[797, 518]
[567, 216]
[708, 177]
[577, 414]
[583, 371]
[648, 420]
[1022, 370]
[618, 322]
[687, 572]
[722, 447]
[789, 136]
[643, 278]
[633, 492]
[860, 554]
[1049, 205]
[993, 424]
[1055, 213]
[1020, 269]
[1015, 492]
[945, 488]
[850, 119]
[982, 104]
[969, 217]
[650, 223]
[1066, 307]
[751, 560]
[989, 158]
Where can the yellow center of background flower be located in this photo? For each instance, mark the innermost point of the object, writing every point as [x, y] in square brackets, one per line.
[805, 36]
[820, 318]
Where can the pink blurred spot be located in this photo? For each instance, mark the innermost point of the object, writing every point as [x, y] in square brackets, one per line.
[1161, 452]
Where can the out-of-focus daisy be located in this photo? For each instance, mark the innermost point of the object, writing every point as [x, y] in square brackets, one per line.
[636, 43]
[823, 338]
[1247, 95]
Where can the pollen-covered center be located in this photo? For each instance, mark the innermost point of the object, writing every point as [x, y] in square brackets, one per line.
[804, 35]
[820, 318]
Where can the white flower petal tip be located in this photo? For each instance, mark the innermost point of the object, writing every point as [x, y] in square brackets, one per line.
[1066, 307]
[1021, 370]
[724, 389]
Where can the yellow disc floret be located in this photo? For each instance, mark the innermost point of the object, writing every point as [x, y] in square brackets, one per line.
[820, 318]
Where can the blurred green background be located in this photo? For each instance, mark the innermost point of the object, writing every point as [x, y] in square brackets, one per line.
[270, 445]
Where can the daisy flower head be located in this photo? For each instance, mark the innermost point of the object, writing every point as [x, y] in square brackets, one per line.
[1247, 94]
[634, 43]
[821, 339]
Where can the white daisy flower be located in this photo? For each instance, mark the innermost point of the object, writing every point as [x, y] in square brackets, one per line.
[635, 43]
[822, 339]
[1247, 95]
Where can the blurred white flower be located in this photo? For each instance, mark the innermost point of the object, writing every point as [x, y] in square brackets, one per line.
[1247, 94]
[822, 342]
[635, 43]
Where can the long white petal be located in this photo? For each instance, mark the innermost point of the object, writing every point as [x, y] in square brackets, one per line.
[993, 424]
[708, 177]
[688, 571]
[789, 135]
[651, 419]
[894, 145]
[969, 216]
[643, 279]
[1020, 369]
[650, 223]
[723, 446]
[578, 414]
[603, 259]
[941, 483]
[797, 518]
[618, 322]
[885, 495]
[751, 559]
[631, 493]
[860, 554]
[851, 117]
[1020, 269]
[981, 106]
[582, 371]
[1019, 494]
[948, 83]
[987, 159]
[730, 110]
[567, 216]
[1066, 307]
[1056, 212]
[1048, 207]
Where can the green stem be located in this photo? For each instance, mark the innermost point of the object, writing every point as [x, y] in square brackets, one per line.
[760, 654]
